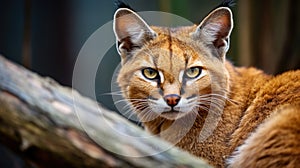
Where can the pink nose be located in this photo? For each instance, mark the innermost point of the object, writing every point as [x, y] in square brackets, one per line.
[172, 99]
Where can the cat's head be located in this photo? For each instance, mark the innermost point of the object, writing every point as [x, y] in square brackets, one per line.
[172, 72]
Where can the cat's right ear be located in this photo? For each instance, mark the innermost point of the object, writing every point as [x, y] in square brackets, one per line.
[131, 31]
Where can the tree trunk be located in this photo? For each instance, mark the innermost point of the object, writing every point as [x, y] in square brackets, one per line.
[38, 120]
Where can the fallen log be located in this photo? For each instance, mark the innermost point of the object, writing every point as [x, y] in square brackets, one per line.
[38, 120]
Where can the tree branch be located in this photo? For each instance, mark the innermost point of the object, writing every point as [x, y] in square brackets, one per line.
[38, 120]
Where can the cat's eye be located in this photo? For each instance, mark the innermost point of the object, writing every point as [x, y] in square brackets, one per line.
[193, 72]
[150, 73]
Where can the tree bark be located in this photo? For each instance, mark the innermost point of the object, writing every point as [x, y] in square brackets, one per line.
[38, 120]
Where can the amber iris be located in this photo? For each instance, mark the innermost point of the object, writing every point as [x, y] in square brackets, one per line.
[150, 73]
[193, 72]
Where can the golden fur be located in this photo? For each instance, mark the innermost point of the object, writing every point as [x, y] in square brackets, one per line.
[245, 119]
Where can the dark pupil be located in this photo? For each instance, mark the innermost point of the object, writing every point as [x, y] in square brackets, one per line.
[193, 70]
[151, 72]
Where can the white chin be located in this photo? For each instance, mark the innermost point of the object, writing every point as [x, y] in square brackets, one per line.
[172, 115]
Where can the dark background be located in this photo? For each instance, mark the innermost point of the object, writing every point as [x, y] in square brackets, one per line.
[46, 36]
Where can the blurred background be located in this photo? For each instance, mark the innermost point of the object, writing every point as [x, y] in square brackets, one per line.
[46, 36]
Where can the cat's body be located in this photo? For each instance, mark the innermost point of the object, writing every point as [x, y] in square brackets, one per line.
[257, 97]
[183, 90]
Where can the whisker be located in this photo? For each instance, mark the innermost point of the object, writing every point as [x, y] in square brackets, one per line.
[128, 111]
[130, 100]
[146, 115]
[115, 93]
[216, 96]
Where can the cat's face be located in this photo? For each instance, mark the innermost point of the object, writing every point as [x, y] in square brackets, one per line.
[172, 72]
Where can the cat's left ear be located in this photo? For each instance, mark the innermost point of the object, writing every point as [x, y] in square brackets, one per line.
[215, 30]
[131, 31]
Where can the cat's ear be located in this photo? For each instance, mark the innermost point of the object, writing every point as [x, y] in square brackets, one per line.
[215, 30]
[131, 31]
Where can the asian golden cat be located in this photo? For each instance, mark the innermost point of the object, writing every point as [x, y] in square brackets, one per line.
[183, 90]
